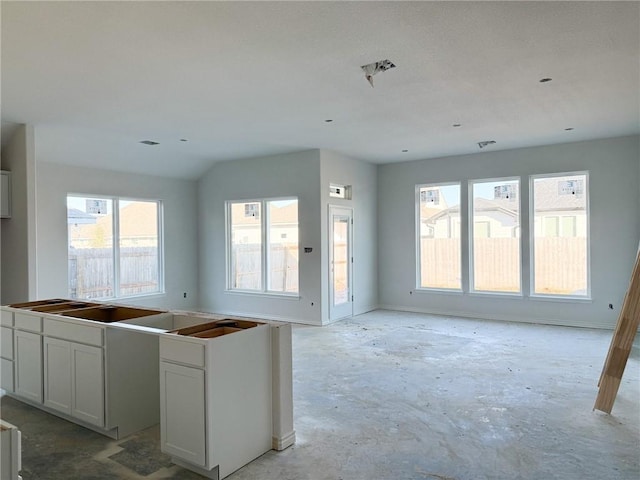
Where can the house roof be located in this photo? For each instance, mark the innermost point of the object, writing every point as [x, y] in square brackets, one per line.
[137, 219]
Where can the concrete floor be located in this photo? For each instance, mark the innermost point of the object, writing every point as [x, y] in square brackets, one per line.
[395, 396]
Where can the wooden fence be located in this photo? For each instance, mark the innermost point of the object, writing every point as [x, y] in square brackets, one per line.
[91, 271]
[246, 264]
[560, 265]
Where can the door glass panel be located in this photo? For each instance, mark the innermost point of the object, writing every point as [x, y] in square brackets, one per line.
[340, 260]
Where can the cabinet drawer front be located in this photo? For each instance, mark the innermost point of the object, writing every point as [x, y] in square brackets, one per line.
[182, 352]
[6, 343]
[24, 321]
[6, 318]
[87, 334]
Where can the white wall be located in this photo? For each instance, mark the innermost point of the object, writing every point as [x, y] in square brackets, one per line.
[615, 229]
[17, 236]
[362, 176]
[294, 174]
[179, 200]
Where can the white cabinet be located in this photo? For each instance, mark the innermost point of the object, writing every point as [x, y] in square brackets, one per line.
[28, 365]
[87, 384]
[74, 380]
[10, 452]
[182, 404]
[6, 375]
[57, 375]
[6, 359]
[5, 194]
[216, 385]
[85, 371]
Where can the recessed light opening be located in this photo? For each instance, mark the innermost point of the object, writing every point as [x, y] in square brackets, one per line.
[149, 142]
[405, 151]
[457, 125]
[328, 120]
[568, 129]
[545, 80]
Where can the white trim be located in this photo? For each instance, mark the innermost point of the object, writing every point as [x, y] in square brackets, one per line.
[115, 250]
[350, 263]
[265, 222]
[499, 317]
[532, 217]
[256, 293]
[417, 237]
[446, 291]
[262, 316]
[470, 219]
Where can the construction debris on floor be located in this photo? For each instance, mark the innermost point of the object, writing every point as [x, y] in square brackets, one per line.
[399, 396]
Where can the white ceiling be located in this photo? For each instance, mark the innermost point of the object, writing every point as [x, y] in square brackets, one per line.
[244, 79]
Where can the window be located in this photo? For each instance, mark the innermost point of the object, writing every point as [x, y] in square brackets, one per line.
[263, 246]
[495, 237]
[560, 234]
[114, 247]
[438, 208]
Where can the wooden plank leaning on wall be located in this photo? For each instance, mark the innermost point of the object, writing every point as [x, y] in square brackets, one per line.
[621, 343]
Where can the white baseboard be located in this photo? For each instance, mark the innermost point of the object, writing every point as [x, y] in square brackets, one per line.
[283, 442]
[497, 317]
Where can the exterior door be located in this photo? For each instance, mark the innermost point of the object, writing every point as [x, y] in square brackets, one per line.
[340, 262]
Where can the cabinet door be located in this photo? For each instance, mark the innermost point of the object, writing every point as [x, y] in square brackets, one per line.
[28, 365]
[6, 343]
[182, 412]
[87, 383]
[57, 374]
[6, 375]
[5, 194]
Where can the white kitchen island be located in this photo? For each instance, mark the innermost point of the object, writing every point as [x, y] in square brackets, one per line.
[220, 387]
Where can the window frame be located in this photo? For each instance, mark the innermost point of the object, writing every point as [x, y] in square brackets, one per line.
[532, 238]
[115, 249]
[417, 238]
[471, 236]
[265, 222]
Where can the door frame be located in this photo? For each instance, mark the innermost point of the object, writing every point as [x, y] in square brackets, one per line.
[345, 310]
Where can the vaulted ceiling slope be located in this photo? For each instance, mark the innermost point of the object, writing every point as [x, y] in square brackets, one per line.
[245, 79]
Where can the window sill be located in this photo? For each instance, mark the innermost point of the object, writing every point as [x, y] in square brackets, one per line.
[446, 291]
[128, 297]
[515, 296]
[249, 293]
[561, 298]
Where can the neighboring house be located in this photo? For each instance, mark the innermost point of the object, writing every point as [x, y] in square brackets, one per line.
[557, 214]
[138, 227]
[493, 218]
[283, 223]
